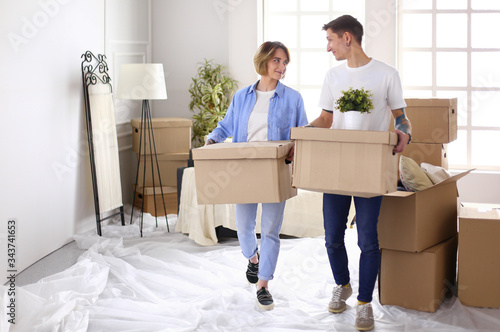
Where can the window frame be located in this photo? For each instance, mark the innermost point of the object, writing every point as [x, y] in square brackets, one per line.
[298, 52]
[467, 128]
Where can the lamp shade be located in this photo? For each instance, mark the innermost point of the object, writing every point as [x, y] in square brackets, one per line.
[141, 81]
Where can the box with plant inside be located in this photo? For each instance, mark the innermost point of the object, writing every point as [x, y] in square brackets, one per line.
[354, 103]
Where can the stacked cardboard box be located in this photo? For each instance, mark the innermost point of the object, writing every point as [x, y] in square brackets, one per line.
[172, 138]
[434, 125]
[153, 195]
[418, 230]
[415, 236]
[478, 252]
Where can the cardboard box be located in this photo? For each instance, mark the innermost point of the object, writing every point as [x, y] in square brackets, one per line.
[248, 172]
[431, 153]
[171, 135]
[345, 162]
[418, 281]
[154, 194]
[168, 164]
[415, 221]
[433, 120]
[478, 256]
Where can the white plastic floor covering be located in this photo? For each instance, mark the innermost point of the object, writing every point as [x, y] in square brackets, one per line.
[166, 282]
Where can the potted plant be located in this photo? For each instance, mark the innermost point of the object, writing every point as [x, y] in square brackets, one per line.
[355, 103]
[210, 91]
[355, 100]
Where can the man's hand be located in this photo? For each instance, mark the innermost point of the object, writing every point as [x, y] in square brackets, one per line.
[209, 141]
[402, 141]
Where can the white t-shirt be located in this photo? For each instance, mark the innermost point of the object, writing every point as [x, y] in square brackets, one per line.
[381, 79]
[257, 123]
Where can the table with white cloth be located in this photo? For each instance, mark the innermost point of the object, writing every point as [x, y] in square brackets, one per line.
[303, 215]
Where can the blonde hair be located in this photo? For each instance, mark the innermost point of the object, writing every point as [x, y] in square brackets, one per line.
[265, 53]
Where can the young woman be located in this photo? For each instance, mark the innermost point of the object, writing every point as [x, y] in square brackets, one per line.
[264, 111]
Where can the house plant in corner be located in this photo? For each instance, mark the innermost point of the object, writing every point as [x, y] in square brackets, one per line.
[354, 104]
[210, 91]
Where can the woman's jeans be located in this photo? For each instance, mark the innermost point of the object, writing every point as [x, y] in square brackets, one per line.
[271, 221]
[335, 213]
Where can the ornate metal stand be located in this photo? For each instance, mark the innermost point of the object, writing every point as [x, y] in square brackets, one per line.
[95, 71]
[146, 135]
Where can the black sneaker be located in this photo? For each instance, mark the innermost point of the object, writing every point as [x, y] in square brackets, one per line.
[252, 271]
[265, 299]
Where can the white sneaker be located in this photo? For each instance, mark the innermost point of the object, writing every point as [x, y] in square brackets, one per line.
[339, 295]
[364, 317]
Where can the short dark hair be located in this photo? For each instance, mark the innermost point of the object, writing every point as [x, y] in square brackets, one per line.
[265, 53]
[346, 23]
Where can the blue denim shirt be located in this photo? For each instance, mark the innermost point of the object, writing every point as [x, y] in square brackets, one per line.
[286, 110]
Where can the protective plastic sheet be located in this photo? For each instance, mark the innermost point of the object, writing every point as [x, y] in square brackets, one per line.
[166, 282]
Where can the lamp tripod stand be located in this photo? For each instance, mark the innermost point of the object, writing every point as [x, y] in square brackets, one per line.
[146, 135]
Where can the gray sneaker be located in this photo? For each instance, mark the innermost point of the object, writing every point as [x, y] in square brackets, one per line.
[364, 317]
[339, 295]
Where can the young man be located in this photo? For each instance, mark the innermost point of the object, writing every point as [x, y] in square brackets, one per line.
[344, 36]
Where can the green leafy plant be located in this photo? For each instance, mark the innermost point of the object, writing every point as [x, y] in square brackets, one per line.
[210, 91]
[355, 100]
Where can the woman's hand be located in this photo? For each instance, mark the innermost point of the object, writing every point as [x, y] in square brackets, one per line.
[291, 153]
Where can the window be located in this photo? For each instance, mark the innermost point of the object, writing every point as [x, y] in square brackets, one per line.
[449, 48]
[298, 24]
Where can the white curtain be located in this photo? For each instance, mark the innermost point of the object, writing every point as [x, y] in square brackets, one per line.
[105, 147]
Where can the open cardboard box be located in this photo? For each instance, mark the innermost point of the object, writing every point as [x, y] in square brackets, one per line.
[246, 172]
[415, 221]
[418, 281]
[478, 255]
[345, 162]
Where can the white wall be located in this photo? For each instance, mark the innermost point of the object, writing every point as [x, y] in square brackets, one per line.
[184, 33]
[380, 30]
[45, 173]
[127, 40]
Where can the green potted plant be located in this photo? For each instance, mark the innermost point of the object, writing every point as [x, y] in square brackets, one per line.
[355, 100]
[355, 104]
[210, 91]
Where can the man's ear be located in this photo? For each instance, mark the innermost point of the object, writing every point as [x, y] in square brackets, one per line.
[347, 38]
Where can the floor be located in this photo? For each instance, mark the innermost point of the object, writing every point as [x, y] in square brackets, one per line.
[166, 282]
[55, 262]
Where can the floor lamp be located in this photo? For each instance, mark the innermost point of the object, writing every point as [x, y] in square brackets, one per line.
[144, 81]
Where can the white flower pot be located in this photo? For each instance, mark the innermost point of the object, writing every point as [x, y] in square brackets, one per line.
[354, 120]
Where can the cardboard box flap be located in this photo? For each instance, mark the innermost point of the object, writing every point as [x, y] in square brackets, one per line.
[345, 136]
[452, 179]
[243, 150]
[164, 122]
[431, 102]
[490, 212]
